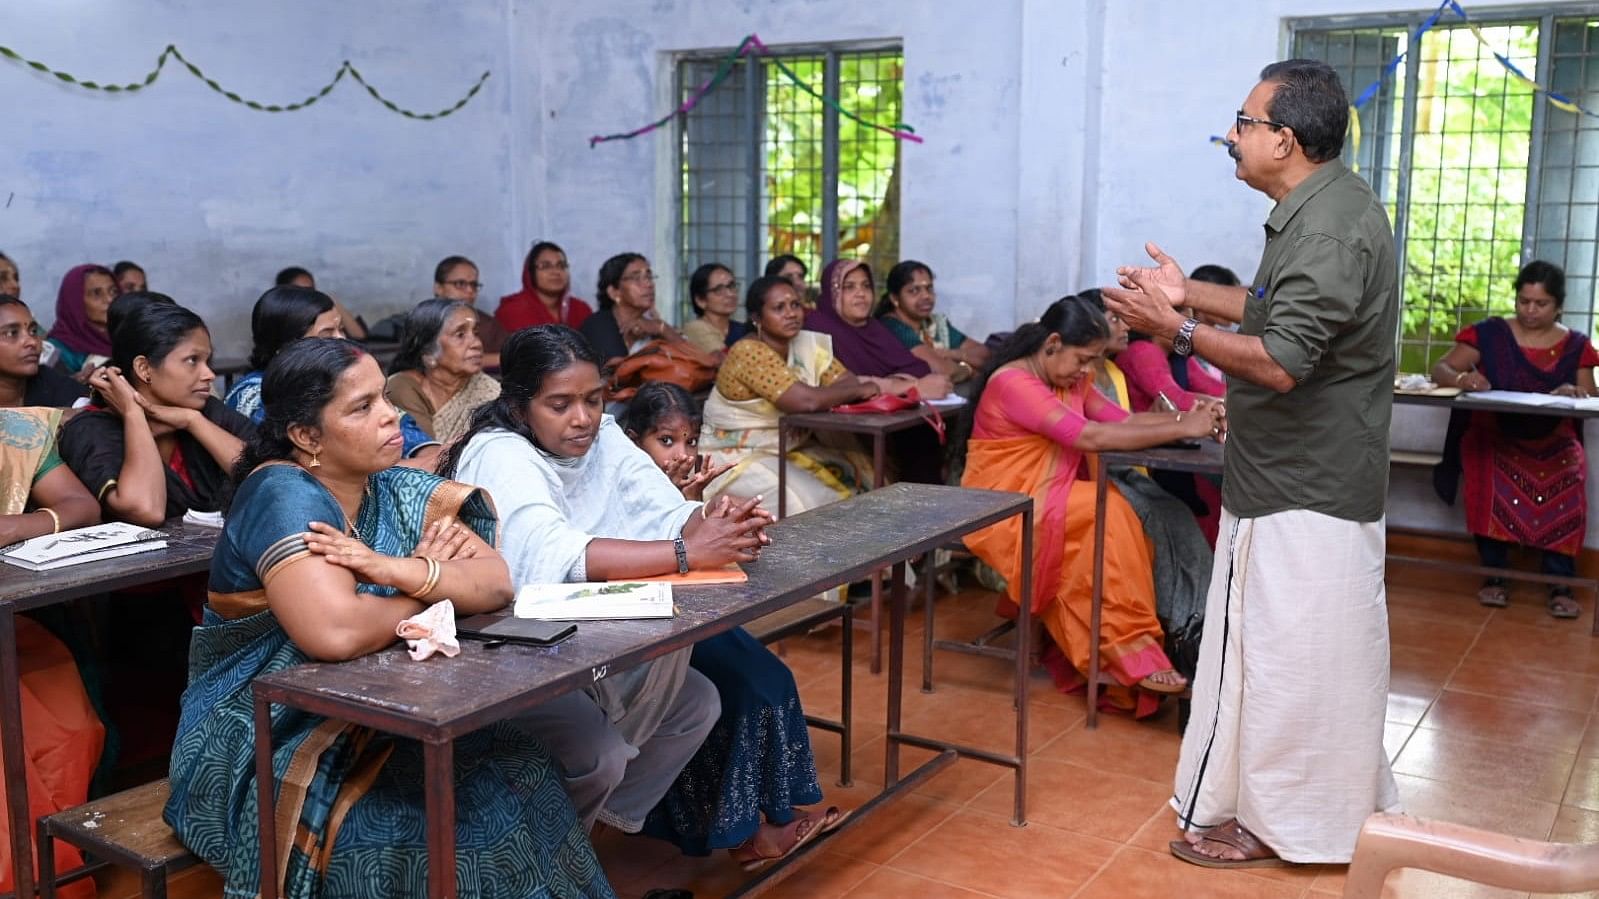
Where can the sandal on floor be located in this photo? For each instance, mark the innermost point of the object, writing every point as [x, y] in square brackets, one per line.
[1561, 604]
[1155, 686]
[752, 856]
[833, 818]
[1494, 595]
[1234, 836]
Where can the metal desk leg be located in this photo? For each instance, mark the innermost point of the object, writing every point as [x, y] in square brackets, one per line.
[846, 743]
[879, 473]
[896, 671]
[927, 626]
[1024, 664]
[782, 470]
[438, 766]
[13, 756]
[1101, 485]
[265, 799]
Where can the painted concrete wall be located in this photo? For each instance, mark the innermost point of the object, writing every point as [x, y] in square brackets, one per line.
[214, 198]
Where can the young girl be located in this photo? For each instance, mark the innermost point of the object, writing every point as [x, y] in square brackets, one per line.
[756, 763]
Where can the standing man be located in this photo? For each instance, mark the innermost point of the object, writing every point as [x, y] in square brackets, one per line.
[1283, 758]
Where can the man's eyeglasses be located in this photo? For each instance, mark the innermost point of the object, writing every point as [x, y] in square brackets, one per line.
[1243, 120]
[464, 285]
[551, 266]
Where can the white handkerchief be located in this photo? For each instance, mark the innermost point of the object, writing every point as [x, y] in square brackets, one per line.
[432, 630]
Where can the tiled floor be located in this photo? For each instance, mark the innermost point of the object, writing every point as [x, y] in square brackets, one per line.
[1491, 723]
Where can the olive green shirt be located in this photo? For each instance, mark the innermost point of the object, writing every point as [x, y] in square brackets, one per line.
[1325, 303]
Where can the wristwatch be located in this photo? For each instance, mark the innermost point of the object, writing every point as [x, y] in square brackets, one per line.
[1183, 343]
[681, 551]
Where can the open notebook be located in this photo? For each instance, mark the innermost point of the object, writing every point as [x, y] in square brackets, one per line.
[1538, 400]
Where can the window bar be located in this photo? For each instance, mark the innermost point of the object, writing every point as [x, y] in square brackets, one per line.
[1545, 69]
[1407, 143]
[754, 98]
[830, 82]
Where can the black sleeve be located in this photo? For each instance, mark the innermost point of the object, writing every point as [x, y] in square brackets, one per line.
[91, 445]
[603, 334]
[223, 416]
[52, 388]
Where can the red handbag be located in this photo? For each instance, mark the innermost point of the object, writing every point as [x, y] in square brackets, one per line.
[884, 403]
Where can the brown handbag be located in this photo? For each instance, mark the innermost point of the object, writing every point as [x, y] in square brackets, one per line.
[673, 361]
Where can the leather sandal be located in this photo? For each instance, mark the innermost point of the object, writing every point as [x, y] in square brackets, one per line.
[1155, 686]
[1494, 595]
[755, 854]
[1232, 835]
[1561, 604]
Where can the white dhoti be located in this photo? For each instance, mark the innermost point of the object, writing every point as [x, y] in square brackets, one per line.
[1292, 687]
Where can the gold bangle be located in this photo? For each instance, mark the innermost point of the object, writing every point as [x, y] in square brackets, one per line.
[432, 578]
[53, 517]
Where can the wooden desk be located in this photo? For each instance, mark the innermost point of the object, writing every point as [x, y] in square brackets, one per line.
[188, 552]
[1205, 459]
[1469, 403]
[441, 699]
[878, 427]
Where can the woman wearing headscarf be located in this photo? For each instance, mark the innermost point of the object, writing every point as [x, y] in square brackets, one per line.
[80, 332]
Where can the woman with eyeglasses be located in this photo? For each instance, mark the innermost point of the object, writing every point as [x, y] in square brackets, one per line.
[79, 335]
[546, 294]
[714, 291]
[455, 278]
[627, 319]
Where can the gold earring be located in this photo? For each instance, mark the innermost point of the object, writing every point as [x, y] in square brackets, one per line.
[315, 462]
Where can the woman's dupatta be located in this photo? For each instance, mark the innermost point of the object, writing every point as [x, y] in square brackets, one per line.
[322, 766]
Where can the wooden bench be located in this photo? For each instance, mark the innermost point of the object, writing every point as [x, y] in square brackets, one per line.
[124, 829]
[801, 618]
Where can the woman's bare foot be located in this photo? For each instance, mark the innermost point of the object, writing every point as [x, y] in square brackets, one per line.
[1168, 681]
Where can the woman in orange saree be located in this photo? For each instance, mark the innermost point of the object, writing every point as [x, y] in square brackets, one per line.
[1038, 420]
[61, 735]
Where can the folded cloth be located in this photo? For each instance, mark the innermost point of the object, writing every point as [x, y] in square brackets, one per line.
[432, 630]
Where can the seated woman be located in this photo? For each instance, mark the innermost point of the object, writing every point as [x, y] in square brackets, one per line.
[714, 292]
[10, 277]
[130, 277]
[866, 347]
[327, 548]
[295, 276]
[907, 311]
[156, 443]
[546, 294]
[283, 315]
[1038, 416]
[580, 502]
[791, 269]
[61, 735]
[781, 368]
[757, 761]
[80, 335]
[437, 376]
[626, 320]
[455, 278]
[1526, 475]
[23, 381]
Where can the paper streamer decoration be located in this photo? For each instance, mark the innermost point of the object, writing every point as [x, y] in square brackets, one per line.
[752, 44]
[1555, 98]
[346, 68]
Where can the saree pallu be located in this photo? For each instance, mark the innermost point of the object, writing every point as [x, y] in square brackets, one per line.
[1130, 635]
[349, 801]
[61, 735]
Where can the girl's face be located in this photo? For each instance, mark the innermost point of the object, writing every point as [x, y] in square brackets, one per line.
[782, 317]
[565, 414]
[673, 438]
[10, 280]
[183, 378]
[855, 297]
[98, 292]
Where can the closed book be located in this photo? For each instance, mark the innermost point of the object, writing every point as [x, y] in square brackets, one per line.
[82, 545]
[594, 602]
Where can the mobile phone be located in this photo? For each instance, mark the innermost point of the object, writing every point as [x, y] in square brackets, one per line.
[510, 629]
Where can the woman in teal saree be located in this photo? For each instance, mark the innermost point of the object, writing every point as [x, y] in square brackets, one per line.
[326, 549]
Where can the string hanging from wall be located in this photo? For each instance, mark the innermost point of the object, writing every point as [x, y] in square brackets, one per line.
[752, 44]
[1553, 97]
[171, 52]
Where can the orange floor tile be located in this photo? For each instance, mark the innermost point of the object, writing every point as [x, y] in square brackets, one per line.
[1491, 723]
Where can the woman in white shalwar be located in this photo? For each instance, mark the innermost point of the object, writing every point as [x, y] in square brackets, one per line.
[579, 502]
